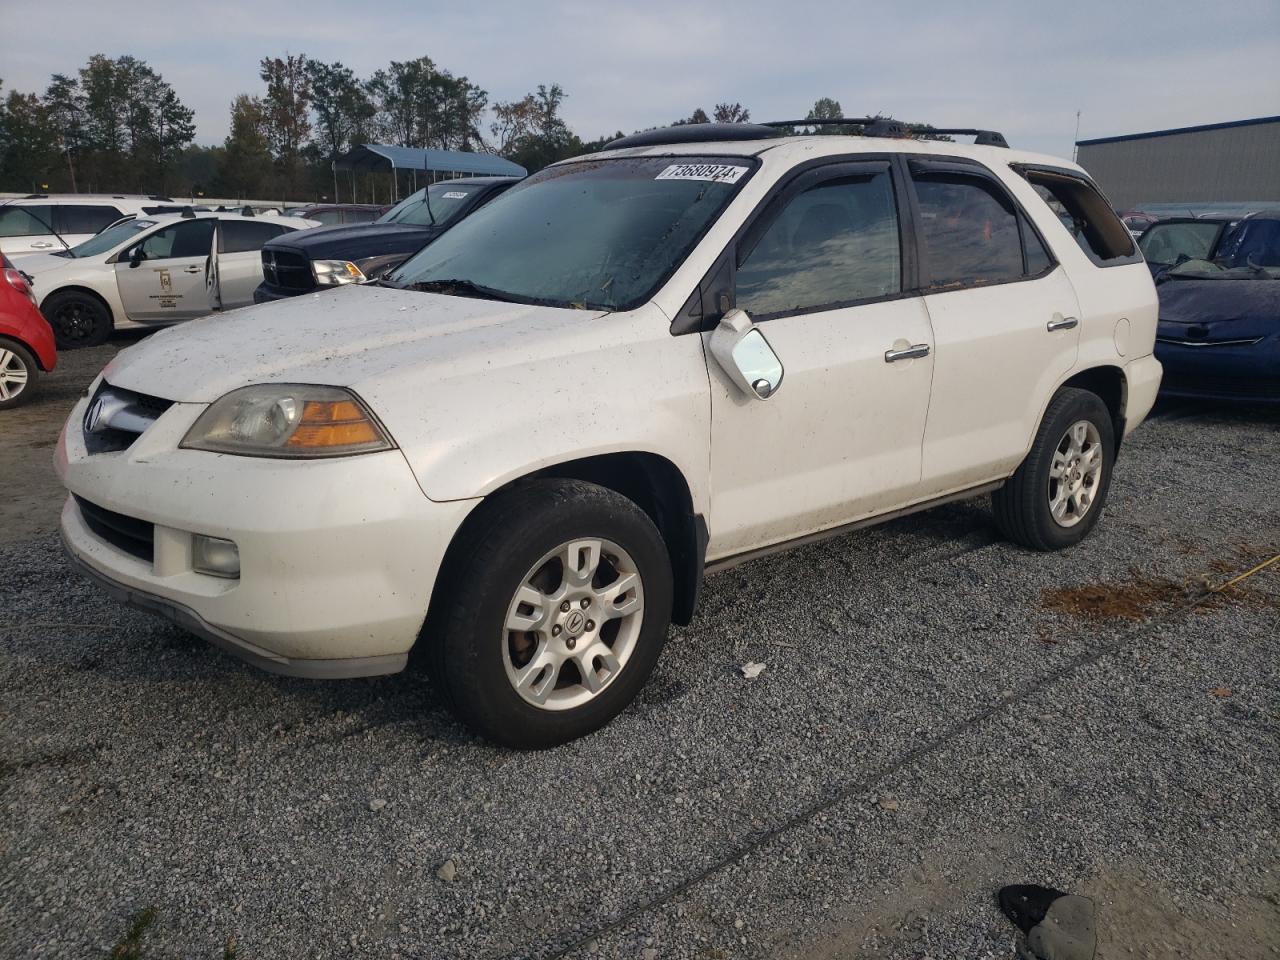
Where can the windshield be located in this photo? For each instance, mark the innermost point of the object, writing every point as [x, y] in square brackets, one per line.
[1167, 242]
[447, 200]
[1251, 243]
[110, 238]
[602, 234]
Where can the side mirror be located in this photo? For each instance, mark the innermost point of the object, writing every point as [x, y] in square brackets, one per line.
[135, 257]
[745, 355]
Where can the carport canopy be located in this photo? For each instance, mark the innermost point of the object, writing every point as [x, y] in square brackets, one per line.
[368, 157]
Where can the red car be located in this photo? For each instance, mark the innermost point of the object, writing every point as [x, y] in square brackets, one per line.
[26, 339]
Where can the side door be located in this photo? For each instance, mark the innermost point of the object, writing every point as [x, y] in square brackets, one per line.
[822, 271]
[1005, 320]
[163, 276]
[239, 265]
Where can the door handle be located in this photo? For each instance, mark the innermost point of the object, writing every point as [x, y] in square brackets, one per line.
[1060, 322]
[41, 245]
[193, 269]
[913, 352]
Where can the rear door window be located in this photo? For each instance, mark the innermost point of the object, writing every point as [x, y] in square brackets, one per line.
[239, 236]
[1086, 214]
[34, 220]
[835, 243]
[87, 218]
[969, 231]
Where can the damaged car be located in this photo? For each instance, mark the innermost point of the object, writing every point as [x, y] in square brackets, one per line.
[519, 454]
[1219, 289]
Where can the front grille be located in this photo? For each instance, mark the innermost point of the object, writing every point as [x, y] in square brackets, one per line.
[1261, 388]
[116, 417]
[133, 536]
[289, 271]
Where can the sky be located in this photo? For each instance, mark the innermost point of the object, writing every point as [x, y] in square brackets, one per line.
[1024, 68]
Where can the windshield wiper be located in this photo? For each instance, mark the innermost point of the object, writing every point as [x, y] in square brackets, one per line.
[463, 288]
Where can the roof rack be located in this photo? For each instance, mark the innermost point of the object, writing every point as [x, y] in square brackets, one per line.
[885, 127]
[694, 133]
[871, 127]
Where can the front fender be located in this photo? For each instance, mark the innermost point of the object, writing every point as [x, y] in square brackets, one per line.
[618, 383]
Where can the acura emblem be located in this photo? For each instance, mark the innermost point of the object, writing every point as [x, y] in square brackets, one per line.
[94, 416]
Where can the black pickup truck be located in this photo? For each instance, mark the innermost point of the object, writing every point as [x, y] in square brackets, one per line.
[308, 260]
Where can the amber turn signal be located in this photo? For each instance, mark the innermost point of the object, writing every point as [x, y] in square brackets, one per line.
[333, 423]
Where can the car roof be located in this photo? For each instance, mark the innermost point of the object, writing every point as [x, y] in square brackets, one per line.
[456, 180]
[161, 218]
[791, 150]
[104, 198]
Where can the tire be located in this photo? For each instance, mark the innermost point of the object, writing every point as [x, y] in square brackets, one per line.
[19, 374]
[1022, 507]
[79, 319]
[475, 658]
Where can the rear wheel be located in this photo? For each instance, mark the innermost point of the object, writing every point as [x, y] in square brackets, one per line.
[78, 318]
[19, 374]
[1056, 496]
[553, 615]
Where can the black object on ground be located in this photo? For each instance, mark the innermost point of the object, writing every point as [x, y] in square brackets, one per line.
[1057, 925]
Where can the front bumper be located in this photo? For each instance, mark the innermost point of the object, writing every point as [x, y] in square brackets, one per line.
[1222, 372]
[337, 557]
[266, 293]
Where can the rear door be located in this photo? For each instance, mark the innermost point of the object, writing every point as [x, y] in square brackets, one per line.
[77, 222]
[1005, 319]
[239, 267]
[164, 276]
[28, 228]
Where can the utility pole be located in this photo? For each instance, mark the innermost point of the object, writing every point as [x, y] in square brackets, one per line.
[1074, 148]
[70, 167]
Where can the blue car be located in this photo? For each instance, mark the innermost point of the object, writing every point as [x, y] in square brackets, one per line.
[1219, 287]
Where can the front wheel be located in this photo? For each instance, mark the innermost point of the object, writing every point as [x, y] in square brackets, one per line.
[553, 613]
[78, 319]
[1055, 498]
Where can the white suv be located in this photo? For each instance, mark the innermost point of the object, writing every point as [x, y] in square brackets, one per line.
[523, 451]
[44, 223]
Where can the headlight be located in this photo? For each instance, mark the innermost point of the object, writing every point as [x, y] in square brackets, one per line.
[335, 273]
[287, 420]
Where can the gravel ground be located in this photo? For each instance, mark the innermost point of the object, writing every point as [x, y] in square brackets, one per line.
[930, 724]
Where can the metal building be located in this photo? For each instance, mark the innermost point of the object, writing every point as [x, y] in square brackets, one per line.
[1237, 162]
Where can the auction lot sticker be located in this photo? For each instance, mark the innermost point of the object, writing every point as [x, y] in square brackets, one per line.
[715, 172]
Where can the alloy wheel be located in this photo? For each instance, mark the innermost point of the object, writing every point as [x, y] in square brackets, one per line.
[14, 375]
[1075, 474]
[573, 624]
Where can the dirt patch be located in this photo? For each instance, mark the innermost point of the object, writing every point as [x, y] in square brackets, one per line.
[1137, 918]
[1134, 600]
[1140, 597]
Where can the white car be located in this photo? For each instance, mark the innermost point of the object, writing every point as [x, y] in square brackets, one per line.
[523, 450]
[43, 223]
[152, 270]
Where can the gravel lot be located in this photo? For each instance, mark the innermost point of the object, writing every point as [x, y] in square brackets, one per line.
[931, 724]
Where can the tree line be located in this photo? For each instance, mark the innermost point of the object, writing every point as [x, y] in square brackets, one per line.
[117, 126]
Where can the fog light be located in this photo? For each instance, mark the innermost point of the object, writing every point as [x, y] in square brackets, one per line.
[220, 558]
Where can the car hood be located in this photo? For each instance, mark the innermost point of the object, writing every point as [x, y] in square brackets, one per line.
[365, 338]
[356, 242]
[1219, 309]
[38, 263]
